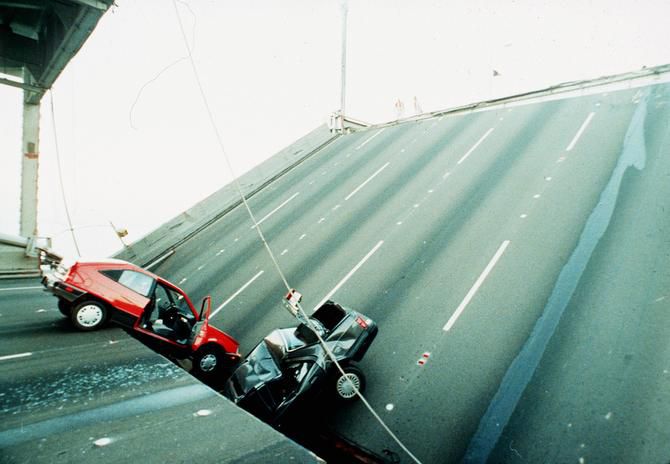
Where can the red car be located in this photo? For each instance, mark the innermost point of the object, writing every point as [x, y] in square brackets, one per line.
[91, 293]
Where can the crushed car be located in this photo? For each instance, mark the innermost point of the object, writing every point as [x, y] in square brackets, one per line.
[93, 293]
[290, 366]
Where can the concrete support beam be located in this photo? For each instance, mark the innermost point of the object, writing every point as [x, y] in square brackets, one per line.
[29, 169]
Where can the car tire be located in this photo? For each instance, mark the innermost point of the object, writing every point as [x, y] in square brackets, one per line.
[342, 386]
[208, 362]
[64, 307]
[89, 315]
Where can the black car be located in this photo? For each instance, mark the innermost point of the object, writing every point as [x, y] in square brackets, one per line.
[290, 365]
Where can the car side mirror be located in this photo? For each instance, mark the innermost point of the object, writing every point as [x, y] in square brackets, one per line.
[205, 307]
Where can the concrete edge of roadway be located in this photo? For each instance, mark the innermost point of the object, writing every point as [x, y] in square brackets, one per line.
[152, 412]
[642, 77]
[163, 240]
[14, 263]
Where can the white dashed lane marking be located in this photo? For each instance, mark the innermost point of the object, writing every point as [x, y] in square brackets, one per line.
[14, 356]
[370, 138]
[580, 131]
[232, 297]
[16, 289]
[275, 210]
[366, 181]
[474, 147]
[480, 280]
[348, 276]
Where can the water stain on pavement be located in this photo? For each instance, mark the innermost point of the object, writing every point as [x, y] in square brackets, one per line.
[521, 370]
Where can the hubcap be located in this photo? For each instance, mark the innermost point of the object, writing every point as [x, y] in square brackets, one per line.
[89, 315]
[344, 386]
[208, 362]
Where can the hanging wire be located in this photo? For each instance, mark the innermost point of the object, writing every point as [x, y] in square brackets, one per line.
[146, 84]
[223, 150]
[167, 67]
[60, 173]
[300, 311]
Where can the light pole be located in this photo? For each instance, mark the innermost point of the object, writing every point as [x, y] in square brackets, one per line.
[343, 63]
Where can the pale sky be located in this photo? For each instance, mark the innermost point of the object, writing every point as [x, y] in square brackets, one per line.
[137, 149]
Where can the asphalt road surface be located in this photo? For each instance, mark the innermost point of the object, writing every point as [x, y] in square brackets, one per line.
[68, 396]
[520, 253]
[515, 259]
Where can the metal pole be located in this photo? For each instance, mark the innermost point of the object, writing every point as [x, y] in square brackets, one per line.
[344, 59]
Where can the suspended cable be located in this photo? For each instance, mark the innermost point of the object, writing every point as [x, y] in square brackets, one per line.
[60, 173]
[223, 150]
[300, 312]
[155, 78]
[146, 84]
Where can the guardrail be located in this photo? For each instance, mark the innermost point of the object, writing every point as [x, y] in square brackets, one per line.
[562, 88]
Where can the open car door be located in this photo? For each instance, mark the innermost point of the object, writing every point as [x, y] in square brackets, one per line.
[199, 331]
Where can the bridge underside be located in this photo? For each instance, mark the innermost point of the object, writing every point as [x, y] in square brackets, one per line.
[38, 38]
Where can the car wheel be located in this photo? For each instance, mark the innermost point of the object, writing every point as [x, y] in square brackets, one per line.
[207, 362]
[343, 384]
[89, 315]
[64, 307]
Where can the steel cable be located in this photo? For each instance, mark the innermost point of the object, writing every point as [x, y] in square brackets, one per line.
[60, 172]
[300, 310]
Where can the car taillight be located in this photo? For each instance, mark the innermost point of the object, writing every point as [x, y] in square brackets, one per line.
[200, 336]
[360, 321]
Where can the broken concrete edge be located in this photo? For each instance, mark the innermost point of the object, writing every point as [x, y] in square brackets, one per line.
[167, 414]
[164, 239]
[14, 263]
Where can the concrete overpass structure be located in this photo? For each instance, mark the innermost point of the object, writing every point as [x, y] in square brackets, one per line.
[517, 247]
[38, 38]
[162, 412]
